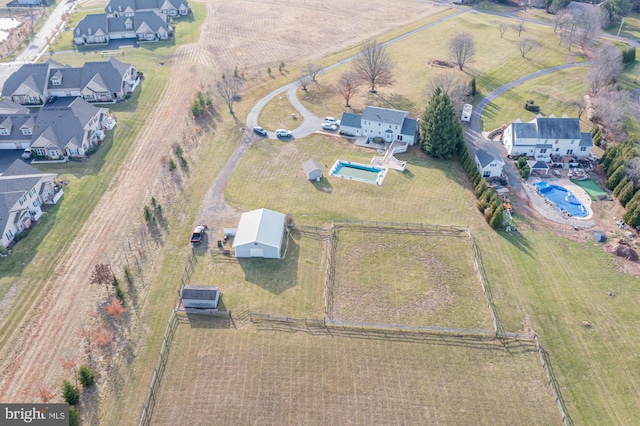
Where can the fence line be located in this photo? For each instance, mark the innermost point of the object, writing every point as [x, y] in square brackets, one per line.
[553, 384]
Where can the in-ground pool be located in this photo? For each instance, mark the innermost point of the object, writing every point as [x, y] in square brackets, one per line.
[359, 172]
[563, 199]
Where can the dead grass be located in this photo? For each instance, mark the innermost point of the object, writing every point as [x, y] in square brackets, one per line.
[407, 279]
[277, 114]
[271, 378]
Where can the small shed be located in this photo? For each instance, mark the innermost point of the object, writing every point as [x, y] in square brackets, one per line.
[260, 234]
[200, 298]
[312, 170]
[538, 166]
[488, 165]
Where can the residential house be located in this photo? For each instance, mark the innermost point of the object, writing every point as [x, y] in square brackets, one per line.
[389, 124]
[171, 8]
[543, 137]
[260, 234]
[107, 81]
[23, 191]
[101, 28]
[68, 130]
[488, 165]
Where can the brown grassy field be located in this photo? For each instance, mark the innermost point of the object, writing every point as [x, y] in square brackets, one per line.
[277, 378]
[407, 279]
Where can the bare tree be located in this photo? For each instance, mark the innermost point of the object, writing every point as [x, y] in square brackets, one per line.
[42, 392]
[303, 81]
[374, 65]
[102, 275]
[502, 28]
[581, 106]
[462, 48]
[605, 68]
[229, 90]
[115, 309]
[104, 335]
[559, 20]
[582, 25]
[455, 87]
[610, 111]
[312, 70]
[348, 85]
[519, 27]
[525, 45]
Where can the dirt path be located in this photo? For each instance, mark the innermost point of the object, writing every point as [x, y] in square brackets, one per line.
[236, 33]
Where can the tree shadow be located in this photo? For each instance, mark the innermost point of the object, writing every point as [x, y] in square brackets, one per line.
[391, 100]
[273, 275]
[516, 239]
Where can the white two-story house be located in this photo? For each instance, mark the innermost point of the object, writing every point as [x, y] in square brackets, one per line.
[542, 138]
[389, 124]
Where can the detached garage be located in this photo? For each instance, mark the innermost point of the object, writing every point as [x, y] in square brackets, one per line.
[260, 234]
[200, 298]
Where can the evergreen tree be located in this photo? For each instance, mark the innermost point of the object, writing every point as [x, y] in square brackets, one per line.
[86, 376]
[632, 216]
[615, 177]
[496, 219]
[474, 89]
[441, 130]
[619, 186]
[70, 393]
[626, 193]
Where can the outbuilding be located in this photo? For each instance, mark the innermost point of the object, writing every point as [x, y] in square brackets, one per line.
[200, 298]
[488, 165]
[312, 170]
[260, 234]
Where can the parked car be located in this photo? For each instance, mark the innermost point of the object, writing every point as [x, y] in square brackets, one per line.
[332, 120]
[26, 154]
[259, 131]
[282, 133]
[329, 126]
[198, 233]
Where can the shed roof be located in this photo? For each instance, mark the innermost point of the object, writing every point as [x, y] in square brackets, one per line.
[261, 226]
[484, 157]
[311, 165]
[200, 292]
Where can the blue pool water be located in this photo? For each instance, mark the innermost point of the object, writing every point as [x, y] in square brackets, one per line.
[359, 172]
[562, 198]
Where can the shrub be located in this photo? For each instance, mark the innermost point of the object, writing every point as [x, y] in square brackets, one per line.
[615, 178]
[86, 376]
[73, 416]
[626, 193]
[178, 150]
[127, 275]
[526, 171]
[148, 215]
[3, 250]
[172, 165]
[531, 106]
[522, 161]
[120, 293]
[70, 393]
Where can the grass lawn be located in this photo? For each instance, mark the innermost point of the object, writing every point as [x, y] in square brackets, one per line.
[277, 114]
[554, 92]
[630, 28]
[592, 187]
[434, 287]
[497, 61]
[248, 377]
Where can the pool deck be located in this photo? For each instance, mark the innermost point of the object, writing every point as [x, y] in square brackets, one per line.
[540, 203]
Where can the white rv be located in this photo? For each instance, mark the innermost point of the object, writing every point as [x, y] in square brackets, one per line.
[466, 113]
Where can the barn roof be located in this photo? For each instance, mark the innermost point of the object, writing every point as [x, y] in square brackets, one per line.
[200, 292]
[311, 165]
[262, 226]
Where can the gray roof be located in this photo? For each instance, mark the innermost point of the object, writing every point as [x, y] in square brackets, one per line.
[200, 292]
[107, 74]
[484, 157]
[7, 106]
[119, 5]
[410, 127]
[351, 120]
[13, 123]
[539, 165]
[71, 78]
[147, 4]
[585, 139]
[117, 24]
[91, 24]
[525, 130]
[154, 20]
[384, 115]
[558, 128]
[311, 165]
[34, 76]
[62, 125]
[175, 3]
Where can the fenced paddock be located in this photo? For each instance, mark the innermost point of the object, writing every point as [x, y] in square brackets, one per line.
[252, 375]
[410, 274]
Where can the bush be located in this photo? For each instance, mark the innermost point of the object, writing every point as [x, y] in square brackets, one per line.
[127, 275]
[615, 178]
[148, 215]
[70, 393]
[531, 106]
[73, 416]
[120, 293]
[86, 376]
[526, 171]
[522, 161]
[172, 165]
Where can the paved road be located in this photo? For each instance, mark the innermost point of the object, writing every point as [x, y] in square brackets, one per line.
[473, 133]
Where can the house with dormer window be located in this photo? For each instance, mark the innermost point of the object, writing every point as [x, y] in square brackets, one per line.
[149, 25]
[388, 124]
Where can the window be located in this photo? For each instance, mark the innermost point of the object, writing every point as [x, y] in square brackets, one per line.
[74, 151]
[399, 137]
[36, 203]
[390, 126]
[32, 192]
[396, 127]
[26, 131]
[54, 153]
[40, 152]
[583, 148]
[9, 234]
[34, 99]
[3, 131]
[556, 141]
[55, 82]
[23, 200]
[379, 124]
[543, 150]
[569, 151]
[557, 149]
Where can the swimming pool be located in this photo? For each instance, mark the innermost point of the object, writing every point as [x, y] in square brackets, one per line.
[359, 172]
[563, 199]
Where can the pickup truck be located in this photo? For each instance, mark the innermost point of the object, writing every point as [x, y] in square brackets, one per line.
[198, 233]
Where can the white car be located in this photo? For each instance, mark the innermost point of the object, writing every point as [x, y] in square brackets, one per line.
[282, 133]
[26, 154]
[332, 120]
[329, 126]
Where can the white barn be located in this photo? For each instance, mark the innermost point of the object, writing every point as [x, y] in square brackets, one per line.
[260, 234]
[488, 166]
[200, 298]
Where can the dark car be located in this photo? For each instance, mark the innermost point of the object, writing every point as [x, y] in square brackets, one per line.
[259, 131]
[198, 234]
